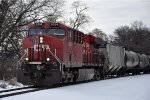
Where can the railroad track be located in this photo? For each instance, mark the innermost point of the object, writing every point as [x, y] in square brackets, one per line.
[18, 91]
[24, 90]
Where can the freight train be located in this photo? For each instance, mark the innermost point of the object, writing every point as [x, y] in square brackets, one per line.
[53, 53]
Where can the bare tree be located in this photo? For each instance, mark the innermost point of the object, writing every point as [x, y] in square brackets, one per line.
[79, 17]
[99, 33]
[101, 39]
[57, 11]
[135, 37]
[15, 15]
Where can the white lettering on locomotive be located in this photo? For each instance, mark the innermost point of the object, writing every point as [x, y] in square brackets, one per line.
[40, 47]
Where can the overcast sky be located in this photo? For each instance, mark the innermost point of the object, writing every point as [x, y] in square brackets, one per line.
[109, 14]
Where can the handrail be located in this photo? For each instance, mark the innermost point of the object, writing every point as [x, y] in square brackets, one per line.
[21, 60]
[60, 62]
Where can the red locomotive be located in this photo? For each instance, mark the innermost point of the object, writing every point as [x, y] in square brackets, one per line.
[53, 53]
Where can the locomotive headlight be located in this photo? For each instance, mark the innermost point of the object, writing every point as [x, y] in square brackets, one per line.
[48, 59]
[27, 59]
[41, 39]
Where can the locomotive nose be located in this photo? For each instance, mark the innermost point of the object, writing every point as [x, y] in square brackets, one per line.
[38, 50]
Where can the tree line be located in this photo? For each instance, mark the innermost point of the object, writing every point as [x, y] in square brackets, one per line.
[135, 37]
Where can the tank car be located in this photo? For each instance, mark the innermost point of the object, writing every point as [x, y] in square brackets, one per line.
[136, 62]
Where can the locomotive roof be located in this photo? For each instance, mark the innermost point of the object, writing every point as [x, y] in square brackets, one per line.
[47, 25]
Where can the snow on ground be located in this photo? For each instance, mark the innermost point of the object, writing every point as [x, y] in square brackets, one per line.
[126, 88]
[7, 86]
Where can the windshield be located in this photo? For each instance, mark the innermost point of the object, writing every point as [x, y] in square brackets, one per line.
[58, 32]
[36, 31]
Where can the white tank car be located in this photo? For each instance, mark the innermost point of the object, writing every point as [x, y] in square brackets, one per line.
[131, 59]
[144, 61]
[114, 57]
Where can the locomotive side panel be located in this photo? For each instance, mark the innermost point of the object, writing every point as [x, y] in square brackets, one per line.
[91, 55]
[73, 49]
